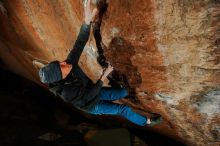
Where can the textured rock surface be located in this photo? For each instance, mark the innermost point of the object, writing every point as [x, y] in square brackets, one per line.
[168, 50]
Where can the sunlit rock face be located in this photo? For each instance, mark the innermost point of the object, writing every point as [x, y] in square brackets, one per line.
[168, 50]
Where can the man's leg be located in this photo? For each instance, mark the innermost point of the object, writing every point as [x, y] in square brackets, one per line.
[112, 94]
[109, 108]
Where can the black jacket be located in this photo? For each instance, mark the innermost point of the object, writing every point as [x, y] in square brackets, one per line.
[77, 88]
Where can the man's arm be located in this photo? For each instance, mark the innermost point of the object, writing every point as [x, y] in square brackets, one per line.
[84, 33]
[79, 45]
[95, 89]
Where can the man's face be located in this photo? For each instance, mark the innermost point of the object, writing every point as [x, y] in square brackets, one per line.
[65, 68]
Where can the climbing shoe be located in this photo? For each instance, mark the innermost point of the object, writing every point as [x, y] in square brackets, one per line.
[155, 121]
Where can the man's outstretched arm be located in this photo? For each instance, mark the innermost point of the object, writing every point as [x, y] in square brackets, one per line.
[83, 35]
[79, 45]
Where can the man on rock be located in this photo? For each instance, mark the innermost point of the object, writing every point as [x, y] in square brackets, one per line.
[67, 80]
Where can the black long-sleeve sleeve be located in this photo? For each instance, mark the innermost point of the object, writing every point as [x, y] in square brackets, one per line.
[93, 90]
[79, 45]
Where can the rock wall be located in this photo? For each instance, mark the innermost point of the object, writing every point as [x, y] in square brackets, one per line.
[188, 36]
[168, 51]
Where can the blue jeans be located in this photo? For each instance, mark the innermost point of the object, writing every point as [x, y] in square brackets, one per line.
[105, 106]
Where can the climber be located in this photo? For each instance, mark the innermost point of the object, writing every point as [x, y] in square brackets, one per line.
[67, 80]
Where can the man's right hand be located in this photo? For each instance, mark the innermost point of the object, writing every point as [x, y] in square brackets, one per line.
[107, 71]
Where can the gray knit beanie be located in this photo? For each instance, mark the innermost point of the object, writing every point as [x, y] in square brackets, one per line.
[51, 72]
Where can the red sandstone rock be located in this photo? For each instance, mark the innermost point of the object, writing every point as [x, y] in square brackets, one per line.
[168, 50]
